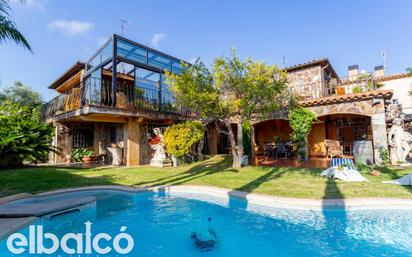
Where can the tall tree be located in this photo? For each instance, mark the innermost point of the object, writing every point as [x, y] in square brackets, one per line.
[409, 71]
[235, 91]
[8, 29]
[22, 95]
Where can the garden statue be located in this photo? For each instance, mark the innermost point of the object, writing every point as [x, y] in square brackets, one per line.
[159, 155]
[399, 142]
[116, 153]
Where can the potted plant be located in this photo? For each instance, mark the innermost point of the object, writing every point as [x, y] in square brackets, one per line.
[83, 154]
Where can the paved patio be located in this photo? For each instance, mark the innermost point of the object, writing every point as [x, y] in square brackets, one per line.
[313, 162]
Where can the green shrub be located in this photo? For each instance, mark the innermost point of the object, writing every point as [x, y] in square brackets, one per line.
[247, 140]
[23, 137]
[384, 156]
[301, 121]
[180, 138]
[356, 89]
[362, 167]
[78, 154]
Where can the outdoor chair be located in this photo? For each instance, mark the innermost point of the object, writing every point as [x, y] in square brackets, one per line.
[333, 148]
[281, 149]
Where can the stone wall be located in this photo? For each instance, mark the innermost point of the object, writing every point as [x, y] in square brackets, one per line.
[64, 142]
[361, 107]
[307, 83]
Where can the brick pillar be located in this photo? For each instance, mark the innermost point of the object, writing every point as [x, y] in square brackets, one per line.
[132, 144]
[380, 139]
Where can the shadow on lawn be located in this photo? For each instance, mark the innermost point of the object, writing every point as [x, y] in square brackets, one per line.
[202, 169]
[35, 180]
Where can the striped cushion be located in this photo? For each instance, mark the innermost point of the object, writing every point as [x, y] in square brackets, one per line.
[343, 162]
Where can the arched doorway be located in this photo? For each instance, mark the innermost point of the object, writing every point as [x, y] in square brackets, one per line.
[268, 135]
[345, 128]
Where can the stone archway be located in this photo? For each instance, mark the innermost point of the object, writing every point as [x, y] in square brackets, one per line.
[370, 107]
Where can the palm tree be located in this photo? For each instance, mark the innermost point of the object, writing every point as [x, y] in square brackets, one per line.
[8, 29]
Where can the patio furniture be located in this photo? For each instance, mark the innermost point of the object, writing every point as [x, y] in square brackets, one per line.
[281, 149]
[333, 148]
[347, 148]
[343, 169]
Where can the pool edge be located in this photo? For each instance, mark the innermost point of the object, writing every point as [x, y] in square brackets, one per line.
[253, 198]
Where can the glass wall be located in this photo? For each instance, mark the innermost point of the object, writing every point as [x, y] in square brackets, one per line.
[132, 52]
[103, 55]
[146, 89]
[93, 88]
[139, 77]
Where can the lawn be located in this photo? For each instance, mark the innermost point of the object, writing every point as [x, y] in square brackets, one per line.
[217, 171]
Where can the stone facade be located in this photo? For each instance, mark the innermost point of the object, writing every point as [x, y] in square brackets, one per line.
[361, 107]
[307, 83]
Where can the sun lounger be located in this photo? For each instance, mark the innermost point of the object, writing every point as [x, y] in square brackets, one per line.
[343, 169]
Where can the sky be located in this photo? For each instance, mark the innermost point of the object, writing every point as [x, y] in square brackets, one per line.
[347, 32]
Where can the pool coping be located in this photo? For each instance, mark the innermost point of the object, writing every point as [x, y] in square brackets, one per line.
[227, 193]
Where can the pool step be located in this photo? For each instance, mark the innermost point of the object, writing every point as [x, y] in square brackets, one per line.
[37, 209]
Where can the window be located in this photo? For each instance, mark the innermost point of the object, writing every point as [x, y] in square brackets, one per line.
[82, 138]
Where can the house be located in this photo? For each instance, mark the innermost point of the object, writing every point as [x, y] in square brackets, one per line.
[114, 99]
[352, 110]
[117, 97]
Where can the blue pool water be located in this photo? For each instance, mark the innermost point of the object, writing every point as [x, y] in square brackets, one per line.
[162, 224]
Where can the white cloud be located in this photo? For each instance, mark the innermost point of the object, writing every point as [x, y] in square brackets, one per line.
[31, 4]
[71, 28]
[157, 38]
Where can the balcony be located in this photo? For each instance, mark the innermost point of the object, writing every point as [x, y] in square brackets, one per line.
[361, 83]
[129, 99]
[125, 77]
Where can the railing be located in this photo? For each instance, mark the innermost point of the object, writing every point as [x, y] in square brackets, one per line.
[353, 84]
[97, 92]
[53, 107]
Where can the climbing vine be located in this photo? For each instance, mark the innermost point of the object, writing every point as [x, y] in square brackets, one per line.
[301, 121]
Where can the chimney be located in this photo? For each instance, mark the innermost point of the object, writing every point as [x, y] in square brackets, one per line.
[379, 71]
[353, 72]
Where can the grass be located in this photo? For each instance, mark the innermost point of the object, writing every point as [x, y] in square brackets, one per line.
[217, 171]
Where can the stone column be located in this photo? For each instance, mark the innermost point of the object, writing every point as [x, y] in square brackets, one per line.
[131, 138]
[380, 139]
[63, 142]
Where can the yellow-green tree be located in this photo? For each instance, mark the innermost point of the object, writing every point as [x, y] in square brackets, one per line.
[234, 91]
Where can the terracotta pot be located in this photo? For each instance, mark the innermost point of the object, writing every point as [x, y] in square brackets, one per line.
[87, 159]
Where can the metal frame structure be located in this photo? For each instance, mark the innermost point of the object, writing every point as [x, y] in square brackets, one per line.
[115, 58]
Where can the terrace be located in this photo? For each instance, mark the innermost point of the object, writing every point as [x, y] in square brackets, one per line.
[122, 77]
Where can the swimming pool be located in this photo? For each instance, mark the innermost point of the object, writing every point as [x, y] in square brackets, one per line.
[163, 224]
